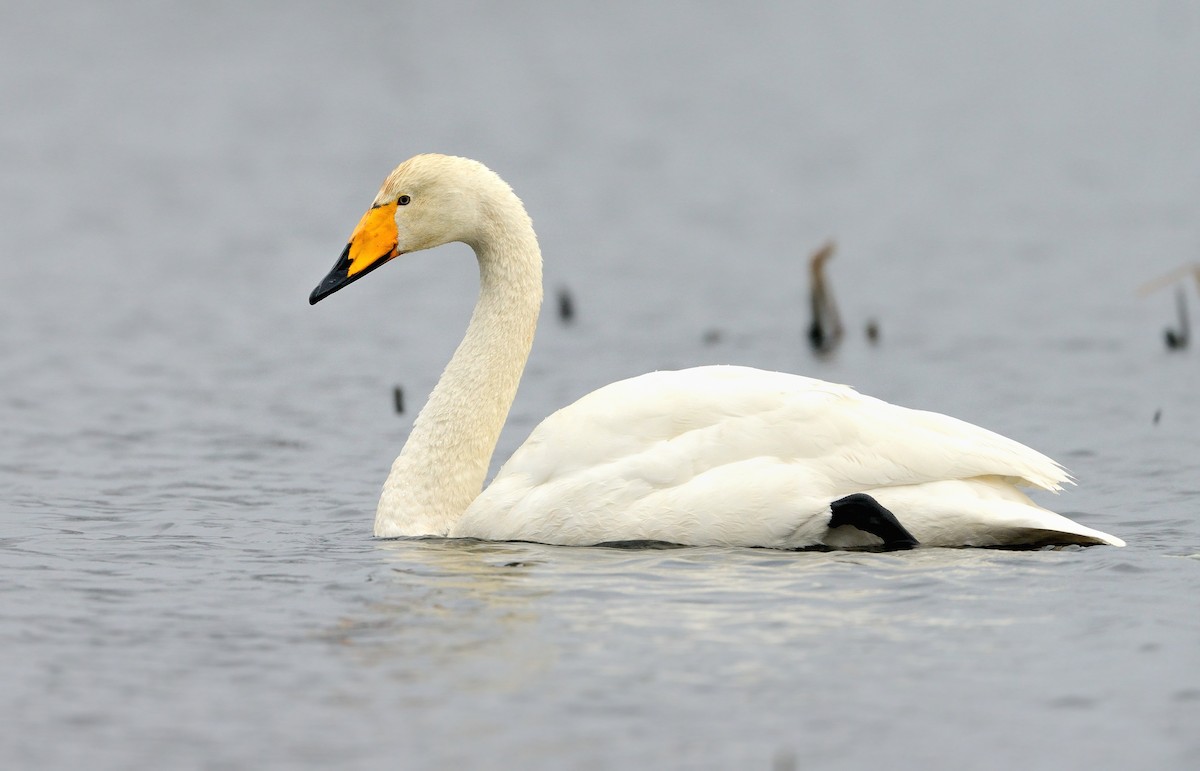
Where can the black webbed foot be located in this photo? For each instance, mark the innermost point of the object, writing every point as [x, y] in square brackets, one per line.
[864, 512]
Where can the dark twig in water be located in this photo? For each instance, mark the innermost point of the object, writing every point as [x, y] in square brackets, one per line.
[825, 330]
[1178, 339]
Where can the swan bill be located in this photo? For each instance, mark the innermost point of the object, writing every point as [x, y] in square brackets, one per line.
[374, 242]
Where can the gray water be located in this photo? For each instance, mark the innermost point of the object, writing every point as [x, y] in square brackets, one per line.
[192, 455]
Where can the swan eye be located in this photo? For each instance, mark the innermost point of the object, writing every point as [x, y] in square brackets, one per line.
[403, 200]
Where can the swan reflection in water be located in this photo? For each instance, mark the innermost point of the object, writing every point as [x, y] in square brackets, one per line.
[468, 616]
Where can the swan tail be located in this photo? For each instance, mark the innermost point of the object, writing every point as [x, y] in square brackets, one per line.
[986, 511]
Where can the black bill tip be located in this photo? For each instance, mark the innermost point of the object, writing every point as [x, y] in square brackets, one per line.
[337, 278]
[340, 276]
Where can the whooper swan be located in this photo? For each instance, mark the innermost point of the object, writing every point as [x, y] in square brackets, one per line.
[717, 455]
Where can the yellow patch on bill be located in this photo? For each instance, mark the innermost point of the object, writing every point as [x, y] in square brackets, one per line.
[374, 239]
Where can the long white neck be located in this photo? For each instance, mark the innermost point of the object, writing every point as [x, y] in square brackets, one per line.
[444, 463]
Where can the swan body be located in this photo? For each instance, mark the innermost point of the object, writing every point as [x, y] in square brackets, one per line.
[717, 455]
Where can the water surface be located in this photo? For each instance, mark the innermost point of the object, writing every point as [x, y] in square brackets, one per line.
[192, 455]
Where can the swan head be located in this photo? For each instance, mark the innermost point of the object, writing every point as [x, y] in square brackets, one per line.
[427, 201]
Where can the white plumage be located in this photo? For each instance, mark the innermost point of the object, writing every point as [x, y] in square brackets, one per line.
[717, 455]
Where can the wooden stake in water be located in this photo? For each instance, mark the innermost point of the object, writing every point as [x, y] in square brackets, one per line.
[825, 329]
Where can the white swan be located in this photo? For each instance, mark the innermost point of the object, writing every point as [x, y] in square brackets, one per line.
[706, 456]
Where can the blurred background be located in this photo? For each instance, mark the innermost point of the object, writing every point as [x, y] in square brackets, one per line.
[1000, 177]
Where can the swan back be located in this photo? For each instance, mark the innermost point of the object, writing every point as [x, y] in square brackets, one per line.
[734, 455]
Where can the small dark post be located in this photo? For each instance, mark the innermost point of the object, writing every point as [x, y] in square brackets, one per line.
[825, 329]
[566, 306]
